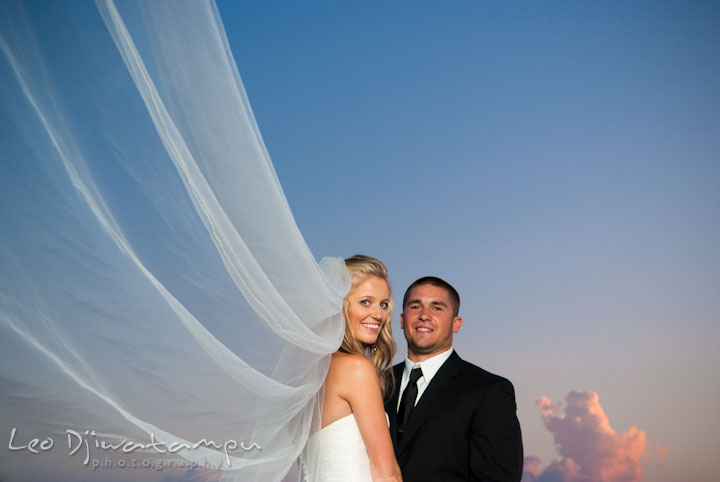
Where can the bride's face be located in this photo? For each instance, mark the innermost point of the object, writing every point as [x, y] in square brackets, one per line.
[369, 303]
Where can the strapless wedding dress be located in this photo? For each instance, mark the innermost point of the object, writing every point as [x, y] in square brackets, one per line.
[337, 453]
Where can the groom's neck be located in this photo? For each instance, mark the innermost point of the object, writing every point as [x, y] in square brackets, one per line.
[421, 357]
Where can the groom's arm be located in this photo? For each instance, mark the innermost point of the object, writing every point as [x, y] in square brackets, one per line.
[496, 452]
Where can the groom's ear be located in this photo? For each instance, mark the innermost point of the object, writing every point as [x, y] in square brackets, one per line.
[456, 324]
[402, 320]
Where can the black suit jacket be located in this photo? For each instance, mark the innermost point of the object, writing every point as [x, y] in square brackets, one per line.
[463, 428]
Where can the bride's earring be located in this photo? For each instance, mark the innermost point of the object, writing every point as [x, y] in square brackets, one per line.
[374, 348]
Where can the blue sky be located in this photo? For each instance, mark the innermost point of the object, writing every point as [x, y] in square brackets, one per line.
[558, 162]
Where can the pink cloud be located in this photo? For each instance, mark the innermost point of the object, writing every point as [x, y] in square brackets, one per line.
[591, 450]
[531, 469]
[661, 452]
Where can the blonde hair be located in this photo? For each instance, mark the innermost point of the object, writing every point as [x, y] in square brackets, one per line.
[362, 267]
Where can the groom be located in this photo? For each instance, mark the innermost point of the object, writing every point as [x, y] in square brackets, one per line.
[449, 419]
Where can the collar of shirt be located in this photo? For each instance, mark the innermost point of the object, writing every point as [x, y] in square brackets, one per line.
[429, 368]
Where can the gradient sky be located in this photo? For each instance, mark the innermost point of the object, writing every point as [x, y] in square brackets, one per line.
[558, 162]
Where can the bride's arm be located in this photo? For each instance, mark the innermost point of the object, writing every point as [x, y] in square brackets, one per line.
[362, 392]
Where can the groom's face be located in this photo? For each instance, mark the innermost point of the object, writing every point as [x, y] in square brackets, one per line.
[428, 322]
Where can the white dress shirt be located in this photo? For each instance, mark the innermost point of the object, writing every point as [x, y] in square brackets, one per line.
[429, 368]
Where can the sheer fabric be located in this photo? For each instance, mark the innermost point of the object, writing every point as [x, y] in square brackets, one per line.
[153, 282]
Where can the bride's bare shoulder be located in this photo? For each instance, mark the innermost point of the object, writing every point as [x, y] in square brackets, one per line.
[348, 378]
[351, 368]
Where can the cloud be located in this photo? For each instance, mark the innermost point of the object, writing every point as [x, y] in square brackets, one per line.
[531, 469]
[661, 452]
[591, 450]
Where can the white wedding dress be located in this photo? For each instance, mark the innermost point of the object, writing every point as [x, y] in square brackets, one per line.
[337, 453]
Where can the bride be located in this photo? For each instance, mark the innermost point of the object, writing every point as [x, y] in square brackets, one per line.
[354, 442]
[155, 288]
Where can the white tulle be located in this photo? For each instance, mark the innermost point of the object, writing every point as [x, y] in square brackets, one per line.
[152, 279]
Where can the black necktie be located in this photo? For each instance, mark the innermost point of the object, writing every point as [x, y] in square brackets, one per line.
[408, 399]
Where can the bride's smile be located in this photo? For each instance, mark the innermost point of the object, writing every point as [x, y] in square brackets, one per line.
[368, 308]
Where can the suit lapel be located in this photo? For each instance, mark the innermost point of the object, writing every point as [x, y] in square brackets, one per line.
[440, 385]
[391, 406]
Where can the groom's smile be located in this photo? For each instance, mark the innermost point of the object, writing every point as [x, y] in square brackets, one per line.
[422, 330]
[428, 322]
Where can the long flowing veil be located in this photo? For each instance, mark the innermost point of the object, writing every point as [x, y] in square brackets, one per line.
[154, 287]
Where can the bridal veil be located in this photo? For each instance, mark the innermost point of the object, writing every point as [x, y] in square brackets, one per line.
[153, 283]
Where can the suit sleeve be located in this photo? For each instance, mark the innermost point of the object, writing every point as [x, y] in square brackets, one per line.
[496, 452]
